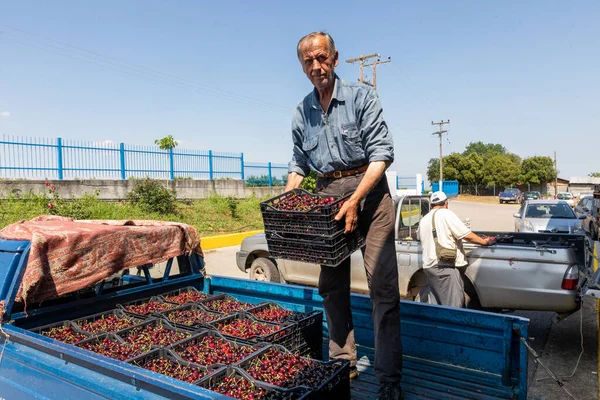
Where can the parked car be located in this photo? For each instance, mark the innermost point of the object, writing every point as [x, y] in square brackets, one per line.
[568, 197]
[588, 208]
[531, 196]
[510, 195]
[503, 276]
[547, 216]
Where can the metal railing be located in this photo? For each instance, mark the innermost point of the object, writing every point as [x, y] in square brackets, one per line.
[43, 158]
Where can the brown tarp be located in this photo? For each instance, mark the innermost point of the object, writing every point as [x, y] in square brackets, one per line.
[68, 255]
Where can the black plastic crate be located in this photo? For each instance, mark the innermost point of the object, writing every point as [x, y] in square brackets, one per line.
[307, 329]
[270, 392]
[251, 349]
[317, 250]
[284, 334]
[125, 319]
[208, 304]
[319, 220]
[77, 334]
[168, 297]
[175, 335]
[335, 385]
[144, 359]
[169, 315]
[115, 341]
[149, 314]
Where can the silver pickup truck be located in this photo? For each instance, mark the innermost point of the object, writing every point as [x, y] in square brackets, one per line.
[523, 271]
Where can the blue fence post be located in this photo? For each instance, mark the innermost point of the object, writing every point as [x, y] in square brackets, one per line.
[242, 162]
[171, 165]
[122, 153]
[397, 182]
[270, 176]
[210, 165]
[422, 187]
[59, 152]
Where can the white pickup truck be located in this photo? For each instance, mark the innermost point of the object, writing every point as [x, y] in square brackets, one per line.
[523, 271]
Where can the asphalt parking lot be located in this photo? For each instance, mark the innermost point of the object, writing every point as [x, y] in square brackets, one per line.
[558, 343]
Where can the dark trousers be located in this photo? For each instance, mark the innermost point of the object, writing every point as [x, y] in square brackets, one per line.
[376, 222]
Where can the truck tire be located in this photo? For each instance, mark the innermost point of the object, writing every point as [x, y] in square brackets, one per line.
[263, 269]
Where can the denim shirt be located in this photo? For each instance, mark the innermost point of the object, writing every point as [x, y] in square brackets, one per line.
[351, 134]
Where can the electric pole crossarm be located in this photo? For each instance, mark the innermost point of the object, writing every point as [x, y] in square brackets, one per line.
[362, 58]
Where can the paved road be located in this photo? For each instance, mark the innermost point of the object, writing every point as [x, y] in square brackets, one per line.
[558, 343]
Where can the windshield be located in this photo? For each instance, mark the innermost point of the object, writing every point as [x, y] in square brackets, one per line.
[511, 190]
[564, 196]
[550, 211]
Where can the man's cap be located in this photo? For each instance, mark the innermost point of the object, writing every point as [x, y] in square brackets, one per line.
[438, 198]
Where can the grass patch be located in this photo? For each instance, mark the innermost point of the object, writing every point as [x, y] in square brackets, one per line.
[216, 215]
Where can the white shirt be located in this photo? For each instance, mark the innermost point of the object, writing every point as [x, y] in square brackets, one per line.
[450, 232]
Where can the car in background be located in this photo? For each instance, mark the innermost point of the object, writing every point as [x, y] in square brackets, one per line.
[510, 195]
[547, 216]
[531, 196]
[568, 197]
[588, 209]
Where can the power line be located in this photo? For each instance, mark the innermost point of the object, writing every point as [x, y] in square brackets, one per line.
[104, 61]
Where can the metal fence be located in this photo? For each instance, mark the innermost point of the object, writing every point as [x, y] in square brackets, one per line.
[42, 158]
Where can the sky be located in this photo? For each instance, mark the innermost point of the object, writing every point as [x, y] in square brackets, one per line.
[223, 75]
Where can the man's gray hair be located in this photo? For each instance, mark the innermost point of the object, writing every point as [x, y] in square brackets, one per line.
[330, 41]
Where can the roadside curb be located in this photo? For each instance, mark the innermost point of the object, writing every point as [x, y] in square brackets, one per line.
[234, 239]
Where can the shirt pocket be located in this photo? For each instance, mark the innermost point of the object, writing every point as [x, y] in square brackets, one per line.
[310, 143]
[352, 141]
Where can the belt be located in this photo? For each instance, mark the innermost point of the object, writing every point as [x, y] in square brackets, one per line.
[341, 174]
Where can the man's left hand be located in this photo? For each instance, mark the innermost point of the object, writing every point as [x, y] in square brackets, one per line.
[350, 211]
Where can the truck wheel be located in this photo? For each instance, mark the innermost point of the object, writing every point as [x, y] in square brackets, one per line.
[263, 269]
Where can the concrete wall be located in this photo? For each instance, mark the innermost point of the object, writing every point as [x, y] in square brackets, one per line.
[118, 189]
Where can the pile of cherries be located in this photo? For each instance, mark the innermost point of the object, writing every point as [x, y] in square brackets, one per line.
[302, 202]
[149, 307]
[110, 323]
[245, 328]
[213, 350]
[191, 317]
[186, 297]
[278, 368]
[114, 349]
[227, 305]
[157, 335]
[174, 370]
[65, 334]
[272, 313]
[239, 388]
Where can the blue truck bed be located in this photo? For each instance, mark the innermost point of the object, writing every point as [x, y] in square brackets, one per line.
[448, 353]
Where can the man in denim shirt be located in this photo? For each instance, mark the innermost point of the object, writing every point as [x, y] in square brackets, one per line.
[339, 132]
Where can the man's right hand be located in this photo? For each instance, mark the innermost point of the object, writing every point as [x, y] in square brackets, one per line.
[294, 181]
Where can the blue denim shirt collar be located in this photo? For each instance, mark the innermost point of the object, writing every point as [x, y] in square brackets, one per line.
[336, 95]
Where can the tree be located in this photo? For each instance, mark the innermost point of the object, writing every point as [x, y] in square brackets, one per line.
[537, 170]
[486, 150]
[501, 170]
[594, 175]
[451, 168]
[471, 170]
[166, 143]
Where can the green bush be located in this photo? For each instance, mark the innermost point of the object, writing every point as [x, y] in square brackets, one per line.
[152, 196]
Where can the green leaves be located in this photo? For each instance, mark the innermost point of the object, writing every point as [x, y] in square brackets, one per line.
[152, 196]
[166, 143]
[537, 169]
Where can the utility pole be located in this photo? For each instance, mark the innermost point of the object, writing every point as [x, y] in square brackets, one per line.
[440, 132]
[556, 178]
[361, 60]
[374, 64]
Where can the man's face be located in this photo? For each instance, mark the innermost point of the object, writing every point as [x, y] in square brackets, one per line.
[317, 63]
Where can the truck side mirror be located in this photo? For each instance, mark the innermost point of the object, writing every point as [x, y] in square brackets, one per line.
[582, 216]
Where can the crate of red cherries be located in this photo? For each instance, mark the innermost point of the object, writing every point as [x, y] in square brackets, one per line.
[301, 226]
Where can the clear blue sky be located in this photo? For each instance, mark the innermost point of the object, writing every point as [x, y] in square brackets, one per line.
[223, 75]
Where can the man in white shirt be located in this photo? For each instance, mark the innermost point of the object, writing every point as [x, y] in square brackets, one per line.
[445, 281]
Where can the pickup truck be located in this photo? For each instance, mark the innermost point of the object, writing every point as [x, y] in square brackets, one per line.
[505, 276]
[447, 353]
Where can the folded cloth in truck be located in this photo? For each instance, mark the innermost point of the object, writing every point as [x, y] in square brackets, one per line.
[68, 255]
